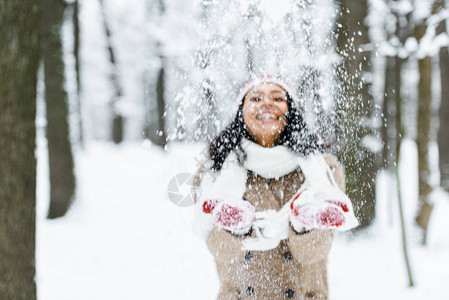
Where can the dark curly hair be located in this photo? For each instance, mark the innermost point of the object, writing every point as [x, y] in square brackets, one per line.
[295, 136]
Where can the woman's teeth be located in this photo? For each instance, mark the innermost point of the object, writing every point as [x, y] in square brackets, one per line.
[267, 116]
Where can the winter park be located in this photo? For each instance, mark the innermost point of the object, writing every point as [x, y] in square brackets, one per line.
[211, 149]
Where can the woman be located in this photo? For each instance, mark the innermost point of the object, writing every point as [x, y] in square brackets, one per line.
[268, 206]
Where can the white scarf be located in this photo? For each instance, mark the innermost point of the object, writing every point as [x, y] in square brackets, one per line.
[269, 162]
[270, 226]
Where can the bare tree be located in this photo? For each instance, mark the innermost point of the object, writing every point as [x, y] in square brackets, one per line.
[388, 109]
[117, 118]
[155, 128]
[359, 161]
[62, 178]
[19, 52]
[161, 138]
[76, 53]
[443, 131]
[401, 34]
[423, 132]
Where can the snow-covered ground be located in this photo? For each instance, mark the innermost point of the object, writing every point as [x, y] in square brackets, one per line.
[123, 238]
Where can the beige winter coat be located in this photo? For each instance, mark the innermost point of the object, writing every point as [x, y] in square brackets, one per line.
[296, 269]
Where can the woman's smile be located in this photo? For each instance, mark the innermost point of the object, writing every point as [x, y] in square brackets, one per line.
[267, 117]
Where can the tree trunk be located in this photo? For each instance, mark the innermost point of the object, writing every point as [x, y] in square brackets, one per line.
[423, 133]
[117, 129]
[388, 142]
[443, 131]
[117, 118]
[62, 179]
[401, 215]
[402, 34]
[160, 138]
[156, 131]
[360, 165]
[76, 53]
[19, 53]
[389, 127]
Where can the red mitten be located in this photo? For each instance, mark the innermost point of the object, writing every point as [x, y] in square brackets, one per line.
[236, 216]
[316, 214]
[209, 205]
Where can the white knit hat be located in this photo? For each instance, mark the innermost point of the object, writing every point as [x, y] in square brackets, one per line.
[266, 78]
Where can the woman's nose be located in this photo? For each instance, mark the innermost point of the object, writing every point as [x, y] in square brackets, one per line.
[266, 100]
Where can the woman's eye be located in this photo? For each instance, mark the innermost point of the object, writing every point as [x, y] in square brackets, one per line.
[279, 99]
[255, 99]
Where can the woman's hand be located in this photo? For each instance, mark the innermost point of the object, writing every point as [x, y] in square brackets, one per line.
[236, 216]
[307, 213]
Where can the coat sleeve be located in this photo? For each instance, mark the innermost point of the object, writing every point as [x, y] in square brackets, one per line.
[223, 244]
[201, 222]
[314, 246]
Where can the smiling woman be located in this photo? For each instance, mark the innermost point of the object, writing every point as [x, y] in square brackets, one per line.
[270, 199]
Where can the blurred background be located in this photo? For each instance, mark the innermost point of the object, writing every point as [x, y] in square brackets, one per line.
[104, 102]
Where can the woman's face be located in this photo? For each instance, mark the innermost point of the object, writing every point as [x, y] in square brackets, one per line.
[264, 111]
